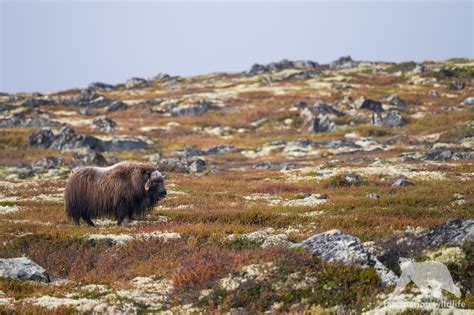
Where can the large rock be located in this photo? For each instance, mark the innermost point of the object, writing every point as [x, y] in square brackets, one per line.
[6, 107]
[367, 103]
[337, 246]
[395, 100]
[90, 157]
[468, 101]
[319, 117]
[22, 268]
[22, 120]
[182, 165]
[135, 82]
[116, 106]
[282, 65]
[125, 143]
[322, 123]
[448, 154]
[36, 102]
[388, 119]
[86, 98]
[413, 244]
[64, 139]
[190, 110]
[101, 85]
[104, 124]
[344, 62]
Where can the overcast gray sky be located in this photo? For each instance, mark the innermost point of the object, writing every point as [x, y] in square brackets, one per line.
[55, 45]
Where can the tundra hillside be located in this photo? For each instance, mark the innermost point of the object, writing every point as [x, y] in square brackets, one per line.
[292, 187]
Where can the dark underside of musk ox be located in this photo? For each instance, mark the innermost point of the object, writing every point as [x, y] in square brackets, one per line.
[122, 192]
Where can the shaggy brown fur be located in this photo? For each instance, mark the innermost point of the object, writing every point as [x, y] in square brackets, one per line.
[121, 191]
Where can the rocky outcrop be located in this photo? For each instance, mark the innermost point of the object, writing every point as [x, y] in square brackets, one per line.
[388, 119]
[22, 268]
[101, 85]
[182, 165]
[90, 157]
[448, 154]
[282, 65]
[124, 143]
[67, 139]
[135, 83]
[337, 246]
[344, 62]
[190, 151]
[367, 103]
[23, 120]
[104, 124]
[190, 110]
[395, 100]
[413, 244]
[116, 106]
[64, 139]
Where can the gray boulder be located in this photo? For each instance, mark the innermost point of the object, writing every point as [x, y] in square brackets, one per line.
[419, 68]
[468, 101]
[116, 106]
[338, 247]
[282, 65]
[413, 244]
[90, 157]
[6, 107]
[448, 154]
[22, 120]
[135, 82]
[104, 124]
[64, 139]
[50, 162]
[344, 62]
[322, 123]
[22, 268]
[86, 98]
[456, 85]
[388, 119]
[367, 103]
[101, 85]
[394, 99]
[190, 110]
[182, 165]
[401, 181]
[124, 144]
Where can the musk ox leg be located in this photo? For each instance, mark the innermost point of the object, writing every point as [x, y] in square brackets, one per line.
[76, 220]
[124, 220]
[88, 220]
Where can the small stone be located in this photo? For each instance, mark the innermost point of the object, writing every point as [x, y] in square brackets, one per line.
[402, 182]
[373, 196]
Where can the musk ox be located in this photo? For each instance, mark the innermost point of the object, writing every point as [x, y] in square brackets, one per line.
[121, 192]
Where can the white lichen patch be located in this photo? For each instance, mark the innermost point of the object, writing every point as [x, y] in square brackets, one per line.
[251, 272]
[8, 209]
[265, 238]
[308, 201]
[121, 239]
[81, 304]
[450, 255]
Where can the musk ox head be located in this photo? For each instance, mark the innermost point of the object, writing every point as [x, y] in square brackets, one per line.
[121, 191]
